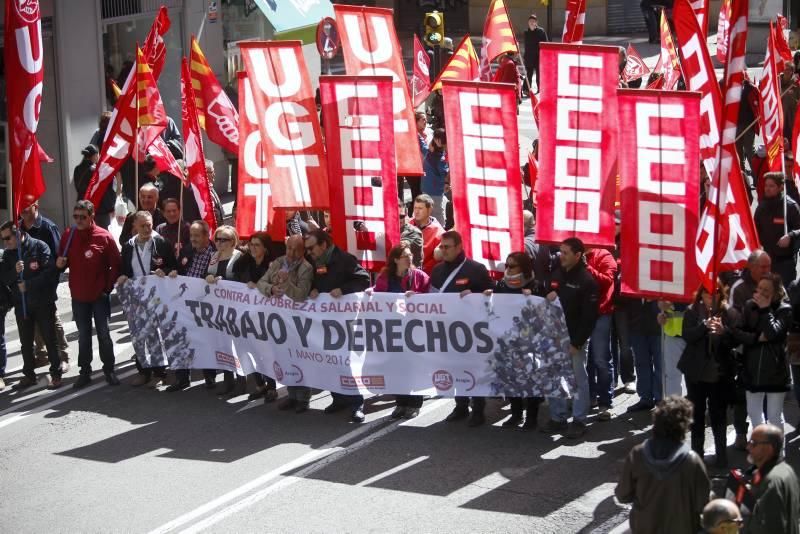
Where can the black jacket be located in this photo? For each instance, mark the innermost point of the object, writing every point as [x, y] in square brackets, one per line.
[472, 276]
[540, 254]
[127, 229]
[698, 363]
[247, 270]
[535, 287]
[769, 226]
[163, 257]
[533, 38]
[40, 274]
[766, 367]
[342, 271]
[577, 291]
[82, 175]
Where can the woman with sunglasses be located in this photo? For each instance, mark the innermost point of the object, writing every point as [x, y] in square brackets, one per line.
[763, 329]
[709, 368]
[249, 269]
[519, 279]
[399, 275]
[223, 267]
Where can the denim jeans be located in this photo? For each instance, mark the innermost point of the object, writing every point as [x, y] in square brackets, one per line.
[580, 400]
[3, 353]
[621, 348]
[84, 313]
[647, 356]
[601, 386]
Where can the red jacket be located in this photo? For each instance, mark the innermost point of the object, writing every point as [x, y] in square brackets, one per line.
[431, 237]
[603, 268]
[93, 259]
[416, 281]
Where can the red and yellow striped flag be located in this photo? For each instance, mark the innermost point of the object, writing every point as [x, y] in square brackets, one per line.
[151, 117]
[462, 66]
[498, 36]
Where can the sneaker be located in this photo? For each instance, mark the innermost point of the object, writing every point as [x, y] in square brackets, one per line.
[476, 419]
[640, 406]
[287, 404]
[411, 413]
[64, 367]
[357, 416]
[554, 427]
[604, 415]
[2, 384]
[25, 382]
[575, 430]
[177, 386]
[512, 421]
[156, 381]
[270, 395]
[55, 382]
[139, 380]
[111, 378]
[741, 442]
[629, 388]
[334, 407]
[82, 381]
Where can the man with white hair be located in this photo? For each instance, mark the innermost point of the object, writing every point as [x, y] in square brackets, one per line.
[148, 201]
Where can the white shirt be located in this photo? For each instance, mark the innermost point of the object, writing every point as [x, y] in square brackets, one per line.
[145, 253]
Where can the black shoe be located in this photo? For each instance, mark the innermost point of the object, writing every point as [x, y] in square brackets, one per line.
[111, 378]
[358, 416]
[476, 419]
[25, 382]
[83, 381]
[211, 383]
[512, 421]
[270, 395]
[411, 413]
[640, 406]
[530, 424]
[287, 404]
[398, 412]
[334, 407]
[178, 386]
[457, 415]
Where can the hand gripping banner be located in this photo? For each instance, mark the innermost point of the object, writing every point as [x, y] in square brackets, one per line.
[484, 169]
[578, 150]
[370, 48]
[287, 117]
[385, 343]
[357, 114]
[255, 212]
[660, 187]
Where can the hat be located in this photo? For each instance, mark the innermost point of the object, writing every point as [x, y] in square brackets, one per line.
[89, 151]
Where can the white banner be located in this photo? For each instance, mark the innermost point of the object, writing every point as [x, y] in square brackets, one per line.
[384, 343]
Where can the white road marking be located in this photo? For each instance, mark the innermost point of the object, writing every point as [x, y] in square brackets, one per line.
[392, 471]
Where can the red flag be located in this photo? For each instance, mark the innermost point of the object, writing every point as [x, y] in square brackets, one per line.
[535, 107]
[357, 113]
[24, 73]
[723, 28]
[195, 158]
[699, 75]
[254, 211]
[771, 107]
[635, 67]
[217, 115]
[370, 47]
[498, 37]
[796, 146]
[152, 117]
[660, 187]
[421, 77]
[671, 67]
[533, 175]
[155, 51]
[700, 8]
[727, 233]
[578, 147]
[165, 161]
[290, 131]
[781, 46]
[484, 169]
[463, 65]
[574, 22]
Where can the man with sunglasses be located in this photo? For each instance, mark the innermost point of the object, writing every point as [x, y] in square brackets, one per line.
[28, 271]
[95, 262]
[774, 484]
[721, 516]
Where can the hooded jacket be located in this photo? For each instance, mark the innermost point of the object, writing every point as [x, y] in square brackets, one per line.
[668, 486]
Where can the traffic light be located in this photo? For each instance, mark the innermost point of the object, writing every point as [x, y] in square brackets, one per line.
[434, 28]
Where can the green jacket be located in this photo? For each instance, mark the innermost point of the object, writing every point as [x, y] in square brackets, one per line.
[777, 507]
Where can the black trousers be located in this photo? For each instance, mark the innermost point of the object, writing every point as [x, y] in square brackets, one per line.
[159, 371]
[356, 402]
[715, 396]
[41, 315]
[409, 401]
[478, 403]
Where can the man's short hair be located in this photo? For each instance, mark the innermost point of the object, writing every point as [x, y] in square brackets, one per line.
[202, 224]
[717, 511]
[453, 236]
[774, 436]
[149, 186]
[754, 256]
[672, 417]
[171, 201]
[85, 205]
[142, 214]
[776, 177]
[575, 245]
[420, 115]
[528, 220]
[424, 199]
[9, 225]
[321, 237]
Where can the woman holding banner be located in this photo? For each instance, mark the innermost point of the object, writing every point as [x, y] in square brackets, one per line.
[399, 275]
[223, 267]
[519, 279]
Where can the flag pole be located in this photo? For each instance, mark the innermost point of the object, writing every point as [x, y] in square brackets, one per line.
[178, 245]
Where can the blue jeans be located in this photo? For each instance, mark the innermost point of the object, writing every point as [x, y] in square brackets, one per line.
[83, 313]
[649, 368]
[601, 386]
[3, 353]
[580, 401]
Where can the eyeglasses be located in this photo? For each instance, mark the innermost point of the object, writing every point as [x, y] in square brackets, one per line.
[80, 217]
[751, 442]
[737, 521]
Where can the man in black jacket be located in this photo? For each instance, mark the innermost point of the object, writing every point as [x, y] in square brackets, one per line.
[534, 36]
[142, 255]
[148, 201]
[31, 276]
[337, 273]
[777, 232]
[458, 274]
[577, 291]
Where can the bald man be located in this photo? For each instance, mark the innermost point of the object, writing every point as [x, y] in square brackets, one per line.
[148, 201]
[721, 516]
